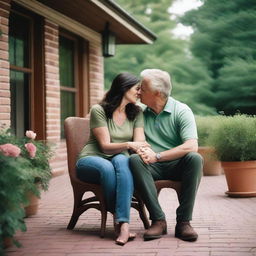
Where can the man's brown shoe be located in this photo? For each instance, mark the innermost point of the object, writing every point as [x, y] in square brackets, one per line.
[156, 230]
[184, 231]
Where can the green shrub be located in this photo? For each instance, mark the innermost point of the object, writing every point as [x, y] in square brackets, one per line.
[234, 138]
[15, 179]
[205, 126]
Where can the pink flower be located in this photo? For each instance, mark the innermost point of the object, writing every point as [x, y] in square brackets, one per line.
[10, 150]
[31, 148]
[31, 135]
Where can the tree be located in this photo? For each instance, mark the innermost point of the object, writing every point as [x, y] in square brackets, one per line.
[225, 41]
[189, 77]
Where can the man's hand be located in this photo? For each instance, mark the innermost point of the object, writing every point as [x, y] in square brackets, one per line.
[147, 155]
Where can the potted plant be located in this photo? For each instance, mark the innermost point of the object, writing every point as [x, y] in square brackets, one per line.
[205, 126]
[38, 153]
[234, 139]
[23, 164]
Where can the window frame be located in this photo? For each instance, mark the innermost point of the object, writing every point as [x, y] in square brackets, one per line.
[81, 81]
[36, 86]
[74, 89]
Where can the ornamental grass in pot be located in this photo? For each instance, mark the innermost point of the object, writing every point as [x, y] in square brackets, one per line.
[23, 165]
[234, 139]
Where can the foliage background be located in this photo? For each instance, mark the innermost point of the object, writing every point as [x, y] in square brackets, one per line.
[212, 72]
[225, 41]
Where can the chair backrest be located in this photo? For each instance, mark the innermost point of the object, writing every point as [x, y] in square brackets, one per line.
[77, 131]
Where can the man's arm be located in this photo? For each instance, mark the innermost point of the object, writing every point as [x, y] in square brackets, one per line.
[149, 156]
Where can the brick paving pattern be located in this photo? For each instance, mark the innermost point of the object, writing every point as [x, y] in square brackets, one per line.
[226, 226]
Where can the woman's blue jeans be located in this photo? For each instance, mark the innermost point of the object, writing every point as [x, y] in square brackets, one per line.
[116, 179]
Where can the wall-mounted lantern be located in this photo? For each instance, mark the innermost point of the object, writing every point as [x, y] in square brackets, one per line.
[108, 42]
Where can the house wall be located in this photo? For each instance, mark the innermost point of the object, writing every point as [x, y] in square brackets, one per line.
[52, 84]
[52, 101]
[96, 72]
[5, 100]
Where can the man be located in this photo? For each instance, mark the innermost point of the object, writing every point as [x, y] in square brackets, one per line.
[170, 129]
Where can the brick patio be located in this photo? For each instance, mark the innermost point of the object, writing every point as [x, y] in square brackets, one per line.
[226, 226]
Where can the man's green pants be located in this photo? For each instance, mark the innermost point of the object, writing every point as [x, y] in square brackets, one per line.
[187, 169]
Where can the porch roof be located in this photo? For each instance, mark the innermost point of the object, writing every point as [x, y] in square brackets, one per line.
[95, 14]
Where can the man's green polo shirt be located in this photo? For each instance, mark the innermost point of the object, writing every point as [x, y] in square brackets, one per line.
[170, 128]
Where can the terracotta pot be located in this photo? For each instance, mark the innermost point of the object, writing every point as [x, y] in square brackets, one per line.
[241, 178]
[32, 207]
[211, 165]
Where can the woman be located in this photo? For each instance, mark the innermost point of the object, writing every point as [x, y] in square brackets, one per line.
[116, 127]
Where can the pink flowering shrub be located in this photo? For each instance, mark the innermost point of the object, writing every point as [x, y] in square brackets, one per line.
[24, 167]
[31, 148]
[31, 135]
[9, 149]
[35, 153]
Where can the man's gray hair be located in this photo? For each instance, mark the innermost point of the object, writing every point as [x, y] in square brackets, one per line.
[159, 80]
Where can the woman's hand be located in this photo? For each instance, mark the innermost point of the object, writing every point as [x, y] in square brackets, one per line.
[136, 145]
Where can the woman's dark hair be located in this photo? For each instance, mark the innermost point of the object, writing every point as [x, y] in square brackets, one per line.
[120, 85]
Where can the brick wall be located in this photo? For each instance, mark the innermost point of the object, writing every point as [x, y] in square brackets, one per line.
[96, 74]
[5, 100]
[52, 86]
[52, 83]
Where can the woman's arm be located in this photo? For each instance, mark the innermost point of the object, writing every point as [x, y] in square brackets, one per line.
[108, 147]
[138, 134]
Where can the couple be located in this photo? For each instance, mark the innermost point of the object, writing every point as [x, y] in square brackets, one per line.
[168, 152]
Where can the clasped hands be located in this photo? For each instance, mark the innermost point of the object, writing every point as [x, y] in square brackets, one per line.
[147, 155]
[143, 149]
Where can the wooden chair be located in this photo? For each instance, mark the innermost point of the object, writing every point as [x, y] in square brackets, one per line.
[176, 185]
[77, 133]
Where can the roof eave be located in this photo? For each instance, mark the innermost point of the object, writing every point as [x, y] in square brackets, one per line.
[125, 19]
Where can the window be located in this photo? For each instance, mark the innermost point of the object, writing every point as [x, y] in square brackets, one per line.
[20, 74]
[26, 76]
[68, 62]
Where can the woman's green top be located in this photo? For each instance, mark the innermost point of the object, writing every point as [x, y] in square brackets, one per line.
[118, 133]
